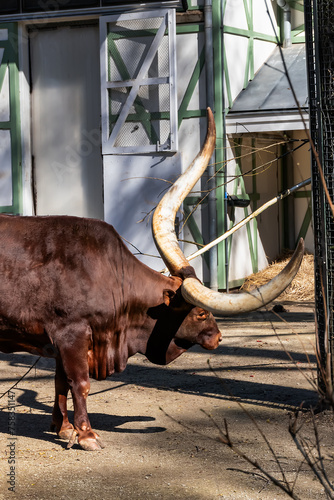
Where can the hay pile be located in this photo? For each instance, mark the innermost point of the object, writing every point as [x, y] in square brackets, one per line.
[301, 288]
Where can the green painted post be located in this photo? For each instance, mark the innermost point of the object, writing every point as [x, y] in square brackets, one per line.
[219, 118]
[10, 60]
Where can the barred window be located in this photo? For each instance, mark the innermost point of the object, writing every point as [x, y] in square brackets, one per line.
[138, 82]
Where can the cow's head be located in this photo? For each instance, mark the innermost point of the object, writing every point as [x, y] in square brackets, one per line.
[179, 325]
[192, 290]
[199, 327]
[194, 325]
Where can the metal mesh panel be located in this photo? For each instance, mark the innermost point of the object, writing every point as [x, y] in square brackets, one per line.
[319, 23]
[127, 54]
[143, 124]
[129, 44]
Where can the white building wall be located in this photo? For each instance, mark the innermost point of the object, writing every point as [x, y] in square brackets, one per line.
[237, 45]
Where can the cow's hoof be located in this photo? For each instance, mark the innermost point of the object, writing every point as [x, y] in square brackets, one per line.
[91, 444]
[72, 439]
[65, 434]
[91, 441]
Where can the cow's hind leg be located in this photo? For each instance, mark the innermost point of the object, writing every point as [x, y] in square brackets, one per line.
[60, 422]
[75, 365]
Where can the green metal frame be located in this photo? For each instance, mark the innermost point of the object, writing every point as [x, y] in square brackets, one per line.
[218, 62]
[10, 61]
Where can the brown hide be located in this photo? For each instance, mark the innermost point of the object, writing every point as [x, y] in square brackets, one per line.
[71, 289]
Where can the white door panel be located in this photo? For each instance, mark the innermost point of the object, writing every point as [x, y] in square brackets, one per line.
[66, 121]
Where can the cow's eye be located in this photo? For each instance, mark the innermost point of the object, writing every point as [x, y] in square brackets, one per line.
[202, 316]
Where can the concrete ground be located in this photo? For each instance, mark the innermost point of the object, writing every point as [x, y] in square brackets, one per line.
[161, 425]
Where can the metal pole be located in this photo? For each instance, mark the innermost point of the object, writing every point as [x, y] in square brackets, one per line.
[286, 22]
[211, 168]
[224, 153]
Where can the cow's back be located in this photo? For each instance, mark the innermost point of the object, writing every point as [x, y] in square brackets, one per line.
[57, 267]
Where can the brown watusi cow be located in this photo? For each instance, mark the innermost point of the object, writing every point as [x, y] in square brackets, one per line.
[71, 289]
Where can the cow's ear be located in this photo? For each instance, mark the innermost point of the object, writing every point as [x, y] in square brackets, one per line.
[168, 296]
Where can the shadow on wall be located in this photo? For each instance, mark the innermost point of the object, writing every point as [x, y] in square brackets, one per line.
[133, 186]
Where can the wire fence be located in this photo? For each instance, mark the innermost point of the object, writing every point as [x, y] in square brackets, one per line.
[319, 26]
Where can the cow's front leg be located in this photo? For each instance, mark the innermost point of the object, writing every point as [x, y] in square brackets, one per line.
[87, 438]
[60, 422]
[75, 366]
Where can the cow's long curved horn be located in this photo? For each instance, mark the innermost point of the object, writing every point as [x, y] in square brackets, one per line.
[163, 222]
[165, 238]
[228, 304]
